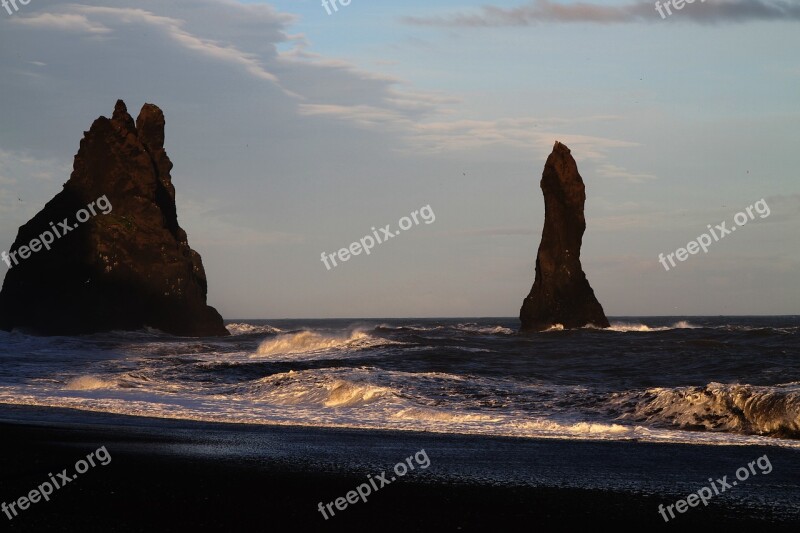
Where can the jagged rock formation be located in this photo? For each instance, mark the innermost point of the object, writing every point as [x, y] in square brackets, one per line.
[561, 293]
[117, 260]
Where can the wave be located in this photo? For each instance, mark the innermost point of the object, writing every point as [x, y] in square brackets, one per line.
[577, 428]
[465, 328]
[484, 330]
[772, 411]
[370, 398]
[89, 383]
[310, 342]
[760, 331]
[392, 406]
[389, 327]
[424, 414]
[626, 327]
[315, 388]
[247, 329]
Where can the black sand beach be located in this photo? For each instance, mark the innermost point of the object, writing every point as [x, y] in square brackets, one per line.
[183, 476]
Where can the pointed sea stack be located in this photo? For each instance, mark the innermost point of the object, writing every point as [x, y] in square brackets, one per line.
[561, 293]
[117, 258]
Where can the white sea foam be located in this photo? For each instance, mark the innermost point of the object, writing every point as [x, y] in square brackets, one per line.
[485, 330]
[236, 380]
[311, 342]
[575, 428]
[773, 410]
[412, 327]
[626, 327]
[245, 329]
[316, 388]
[89, 383]
[365, 406]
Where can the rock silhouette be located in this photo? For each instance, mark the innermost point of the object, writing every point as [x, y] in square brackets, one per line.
[120, 260]
[561, 293]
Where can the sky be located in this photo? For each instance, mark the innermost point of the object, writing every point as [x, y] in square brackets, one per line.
[294, 132]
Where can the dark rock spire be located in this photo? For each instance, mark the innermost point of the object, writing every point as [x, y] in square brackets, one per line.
[561, 293]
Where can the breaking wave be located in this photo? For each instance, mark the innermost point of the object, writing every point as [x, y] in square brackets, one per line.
[247, 329]
[89, 383]
[484, 330]
[389, 327]
[315, 388]
[769, 411]
[625, 328]
[670, 379]
[306, 342]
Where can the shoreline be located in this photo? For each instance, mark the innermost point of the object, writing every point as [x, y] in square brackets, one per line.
[165, 475]
[708, 437]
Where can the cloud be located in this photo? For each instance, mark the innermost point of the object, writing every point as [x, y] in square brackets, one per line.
[437, 136]
[320, 89]
[174, 29]
[64, 22]
[215, 225]
[20, 167]
[490, 232]
[638, 222]
[784, 208]
[100, 21]
[541, 11]
[362, 115]
[26, 183]
[522, 133]
[614, 171]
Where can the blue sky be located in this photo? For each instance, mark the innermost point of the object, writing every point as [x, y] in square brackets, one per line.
[293, 132]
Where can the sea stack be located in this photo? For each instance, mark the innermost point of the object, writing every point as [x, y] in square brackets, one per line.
[107, 253]
[561, 294]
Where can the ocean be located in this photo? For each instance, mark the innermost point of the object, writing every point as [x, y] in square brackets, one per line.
[690, 380]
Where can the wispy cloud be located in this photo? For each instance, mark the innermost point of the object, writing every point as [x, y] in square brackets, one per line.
[490, 232]
[99, 21]
[174, 29]
[541, 11]
[26, 182]
[426, 122]
[614, 171]
[64, 22]
[422, 135]
[216, 225]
